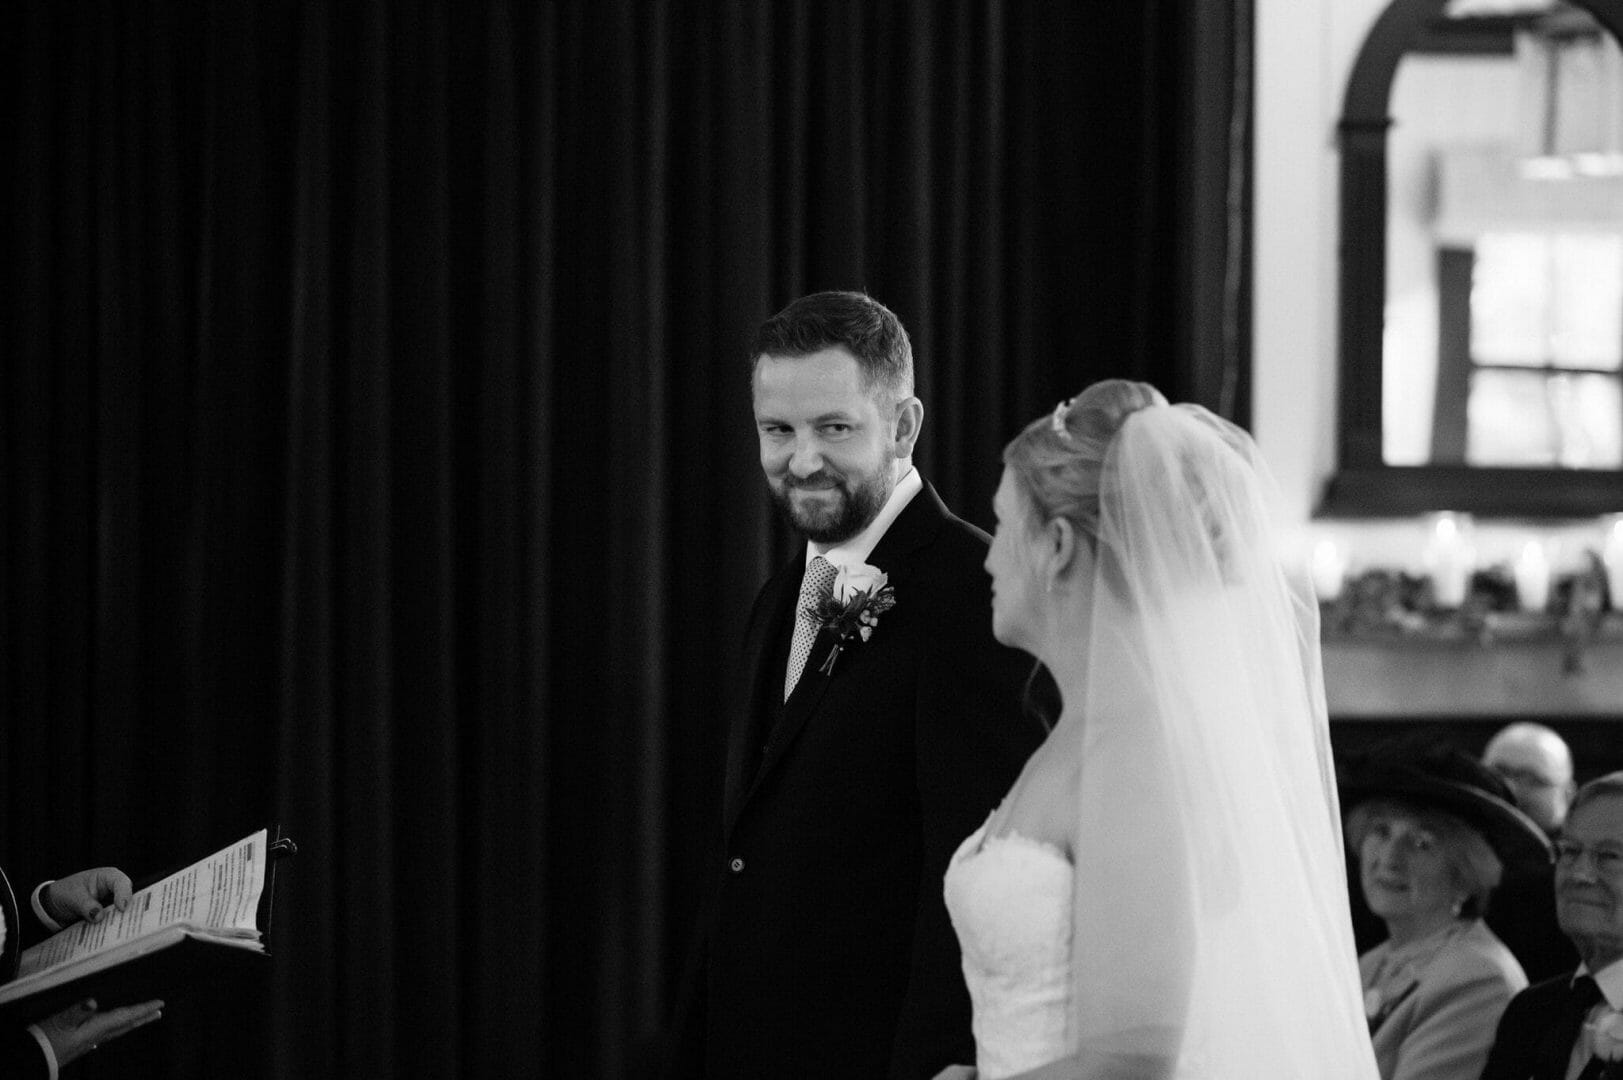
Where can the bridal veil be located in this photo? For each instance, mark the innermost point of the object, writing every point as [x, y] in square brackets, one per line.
[1211, 924]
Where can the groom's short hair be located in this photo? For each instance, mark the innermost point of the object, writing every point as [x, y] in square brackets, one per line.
[854, 321]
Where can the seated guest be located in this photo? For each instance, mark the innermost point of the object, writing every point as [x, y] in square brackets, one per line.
[1537, 765]
[37, 1051]
[1569, 1026]
[1433, 830]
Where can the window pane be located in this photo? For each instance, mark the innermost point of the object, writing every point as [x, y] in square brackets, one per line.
[1507, 420]
[1589, 420]
[1548, 299]
[1587, 301]
[1509, 299]
[1529, 419]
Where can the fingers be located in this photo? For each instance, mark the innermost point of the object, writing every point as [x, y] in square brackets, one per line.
[120, 882]
[115, 1023]
[83, 895]
[105, 885]
[79, 1029]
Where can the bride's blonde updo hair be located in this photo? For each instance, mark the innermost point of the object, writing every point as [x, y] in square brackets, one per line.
[1058, 458]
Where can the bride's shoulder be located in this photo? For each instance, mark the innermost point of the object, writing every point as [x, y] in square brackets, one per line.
[1050, 799]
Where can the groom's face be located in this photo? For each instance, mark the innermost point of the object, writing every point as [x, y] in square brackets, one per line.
[829, 446]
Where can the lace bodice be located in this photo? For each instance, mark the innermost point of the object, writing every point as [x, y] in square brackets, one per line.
[1010, 902]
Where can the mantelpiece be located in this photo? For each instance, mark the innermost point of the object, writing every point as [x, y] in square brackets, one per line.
[1424, 678]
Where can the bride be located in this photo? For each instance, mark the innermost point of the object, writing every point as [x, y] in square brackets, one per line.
[1162, 893]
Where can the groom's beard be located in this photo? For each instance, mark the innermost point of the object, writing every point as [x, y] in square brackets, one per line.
[849, 503]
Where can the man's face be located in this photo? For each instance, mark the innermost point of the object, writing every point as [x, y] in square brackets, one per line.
[1589, 879]
[828, 449]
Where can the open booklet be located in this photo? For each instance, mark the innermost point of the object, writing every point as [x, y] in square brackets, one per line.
[210, 904]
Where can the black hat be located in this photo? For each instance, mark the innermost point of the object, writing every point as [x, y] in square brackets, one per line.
[1446, 778]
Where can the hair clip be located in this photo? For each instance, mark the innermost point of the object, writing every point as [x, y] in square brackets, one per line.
[1058, 423]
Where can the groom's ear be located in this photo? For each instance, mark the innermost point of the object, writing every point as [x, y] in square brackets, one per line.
[909, 419]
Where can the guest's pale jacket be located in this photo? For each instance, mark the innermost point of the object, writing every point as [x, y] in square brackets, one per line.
[1442, 1027]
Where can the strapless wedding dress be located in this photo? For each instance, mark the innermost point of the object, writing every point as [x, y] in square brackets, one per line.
[1010, 902]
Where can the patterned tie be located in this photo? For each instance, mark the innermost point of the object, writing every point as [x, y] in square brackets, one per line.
[814, 587]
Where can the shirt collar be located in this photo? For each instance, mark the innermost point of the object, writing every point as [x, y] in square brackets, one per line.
[855, 551]
[1610, 981]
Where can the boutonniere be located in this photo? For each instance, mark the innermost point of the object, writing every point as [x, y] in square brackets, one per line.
[1606, 1039]
[851, 612]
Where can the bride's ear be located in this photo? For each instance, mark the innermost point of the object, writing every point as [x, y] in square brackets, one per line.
[1059, 547]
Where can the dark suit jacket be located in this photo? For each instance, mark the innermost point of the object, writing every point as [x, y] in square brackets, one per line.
[20, 1055]
[1529, 1042]
[825, 947]
[1522, 913]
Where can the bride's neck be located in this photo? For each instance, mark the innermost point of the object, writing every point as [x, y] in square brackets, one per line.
[1091, 669]
[1070, 673]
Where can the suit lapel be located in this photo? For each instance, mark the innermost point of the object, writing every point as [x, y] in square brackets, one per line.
[803, 701]
[914, 526]
[1559, 1037]
[765, 682]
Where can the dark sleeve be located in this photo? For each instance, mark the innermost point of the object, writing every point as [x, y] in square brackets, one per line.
[1515, 1041]
[971, 739]
[20, 1055]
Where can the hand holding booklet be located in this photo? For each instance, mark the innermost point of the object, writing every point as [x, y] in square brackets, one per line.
[176, 932]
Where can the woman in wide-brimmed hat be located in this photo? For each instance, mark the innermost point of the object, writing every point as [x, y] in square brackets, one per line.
[1433, 831]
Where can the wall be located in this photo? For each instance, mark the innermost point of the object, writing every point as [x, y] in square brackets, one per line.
[1304, 49]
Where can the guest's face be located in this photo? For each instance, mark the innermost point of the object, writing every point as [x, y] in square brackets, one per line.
[1589, 879]
[829, 447]
[1404, 870]
[1009, 560]
[1539, 776]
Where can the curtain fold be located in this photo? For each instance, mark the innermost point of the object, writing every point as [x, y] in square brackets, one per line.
[376, 457]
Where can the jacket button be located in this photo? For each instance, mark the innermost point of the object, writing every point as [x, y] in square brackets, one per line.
[736, 866]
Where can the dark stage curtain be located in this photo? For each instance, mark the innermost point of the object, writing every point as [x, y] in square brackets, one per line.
[376, 452]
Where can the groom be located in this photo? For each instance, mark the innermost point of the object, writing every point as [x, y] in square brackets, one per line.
[864, 747]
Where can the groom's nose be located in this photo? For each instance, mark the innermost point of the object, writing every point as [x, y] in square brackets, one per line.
[807, 458]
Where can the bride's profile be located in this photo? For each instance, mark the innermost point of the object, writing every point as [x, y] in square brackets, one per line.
[1162, 893]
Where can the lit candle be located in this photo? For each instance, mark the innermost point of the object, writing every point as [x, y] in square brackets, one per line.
[1450, 558]
[1533, 577]
[1329, 570]
[1612, 556]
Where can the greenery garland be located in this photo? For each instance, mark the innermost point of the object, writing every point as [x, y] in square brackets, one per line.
[1395, 605]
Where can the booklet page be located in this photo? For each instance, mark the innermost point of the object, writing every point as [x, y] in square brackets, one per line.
[219, 894]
